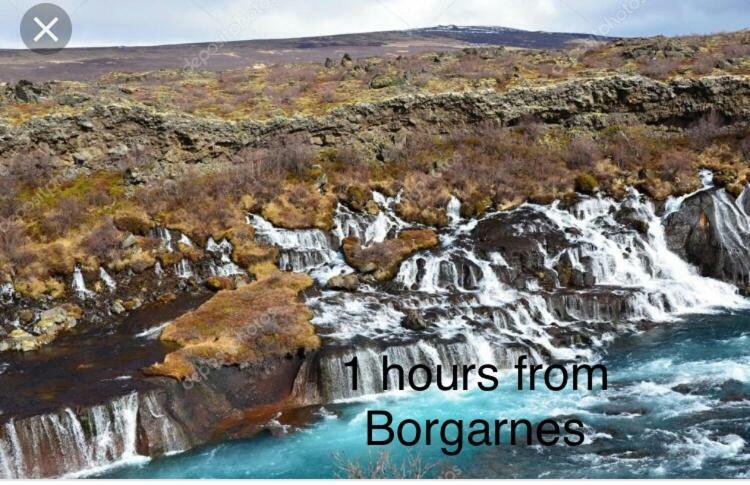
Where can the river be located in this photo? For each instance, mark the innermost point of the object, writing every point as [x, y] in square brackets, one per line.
[676, 406]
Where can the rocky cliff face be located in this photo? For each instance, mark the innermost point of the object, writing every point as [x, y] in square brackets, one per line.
[710, 229]
[93, 138]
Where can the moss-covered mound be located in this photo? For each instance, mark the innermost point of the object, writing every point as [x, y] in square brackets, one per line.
[382, 260]
[244, 326]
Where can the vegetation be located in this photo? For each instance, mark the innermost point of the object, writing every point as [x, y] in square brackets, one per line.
[54, 217]
[243, 326]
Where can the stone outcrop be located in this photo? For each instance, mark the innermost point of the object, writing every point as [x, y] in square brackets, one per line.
[175, 139]
[45, 330]
[711, 230]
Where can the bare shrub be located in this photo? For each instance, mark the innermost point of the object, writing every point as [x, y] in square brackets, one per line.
[104, 241]
[12, 239]
[673, 162]
[31, 169]
[69, 214]
[624, 151]
[582, 153]
[735, 50]
[292, 156]
[659, 68]
[703, 132]
[705, 64]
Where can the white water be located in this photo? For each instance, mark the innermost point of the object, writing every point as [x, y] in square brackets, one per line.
[73, 442]
[222, 253]
[79, 285]
[474, 313]
[461, 289]
[107, 279]
[7, 293]
[184, 269]
[165, 236]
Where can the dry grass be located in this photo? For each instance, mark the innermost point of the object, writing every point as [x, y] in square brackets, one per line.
[237, 327]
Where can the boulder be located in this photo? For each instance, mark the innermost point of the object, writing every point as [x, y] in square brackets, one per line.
[349, 282]
[218, 283]
[709, 231]
[413, 320]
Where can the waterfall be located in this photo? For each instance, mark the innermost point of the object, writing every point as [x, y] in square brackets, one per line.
[71, 442]
[7, 293]
[222, 253]
[185, 240]
[107, 279]
[464, 291]
[368, 228]
[305, 251]
[184, 269]
[165, 237]
[158, 270]
[79, 285]
[454, 210]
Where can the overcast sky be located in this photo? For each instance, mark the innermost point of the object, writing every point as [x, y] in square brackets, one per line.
[148, 22]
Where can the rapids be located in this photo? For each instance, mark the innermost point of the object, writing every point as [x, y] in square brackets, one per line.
[557, 283]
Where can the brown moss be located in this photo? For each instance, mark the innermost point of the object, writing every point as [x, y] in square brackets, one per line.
[248, 325]
[586, 184]
[382, 260]
[301, 208]
[247, 252]
[132, 221]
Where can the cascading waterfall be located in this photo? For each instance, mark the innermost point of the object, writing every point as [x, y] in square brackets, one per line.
[165, 237]
[71, 441]
[7, 293]
[491, 291]
[184, 269]
[79, 285]
[222, 253]
[475, 313]
[107, 279]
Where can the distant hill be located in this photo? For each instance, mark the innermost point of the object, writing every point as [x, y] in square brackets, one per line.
[89, 63]
[507, 36]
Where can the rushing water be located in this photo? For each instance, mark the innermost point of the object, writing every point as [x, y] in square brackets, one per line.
[674, 408]
[557, 283]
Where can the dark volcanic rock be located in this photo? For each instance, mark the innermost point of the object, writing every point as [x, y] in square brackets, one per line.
[521, 236]
[711, 231]
[414, 321]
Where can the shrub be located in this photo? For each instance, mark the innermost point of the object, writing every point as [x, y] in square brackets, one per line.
[659, 68]
[703, 132]
[68, 215]
[586, 184]
[104, 241]
[582, 153]
[705, 64]
[672, 162]
[12, 239]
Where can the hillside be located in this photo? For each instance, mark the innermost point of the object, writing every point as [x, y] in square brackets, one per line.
[81, 64]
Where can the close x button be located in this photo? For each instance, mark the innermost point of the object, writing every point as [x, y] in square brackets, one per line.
[46, 28]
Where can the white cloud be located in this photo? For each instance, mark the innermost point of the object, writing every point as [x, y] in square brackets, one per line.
[133, 22]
